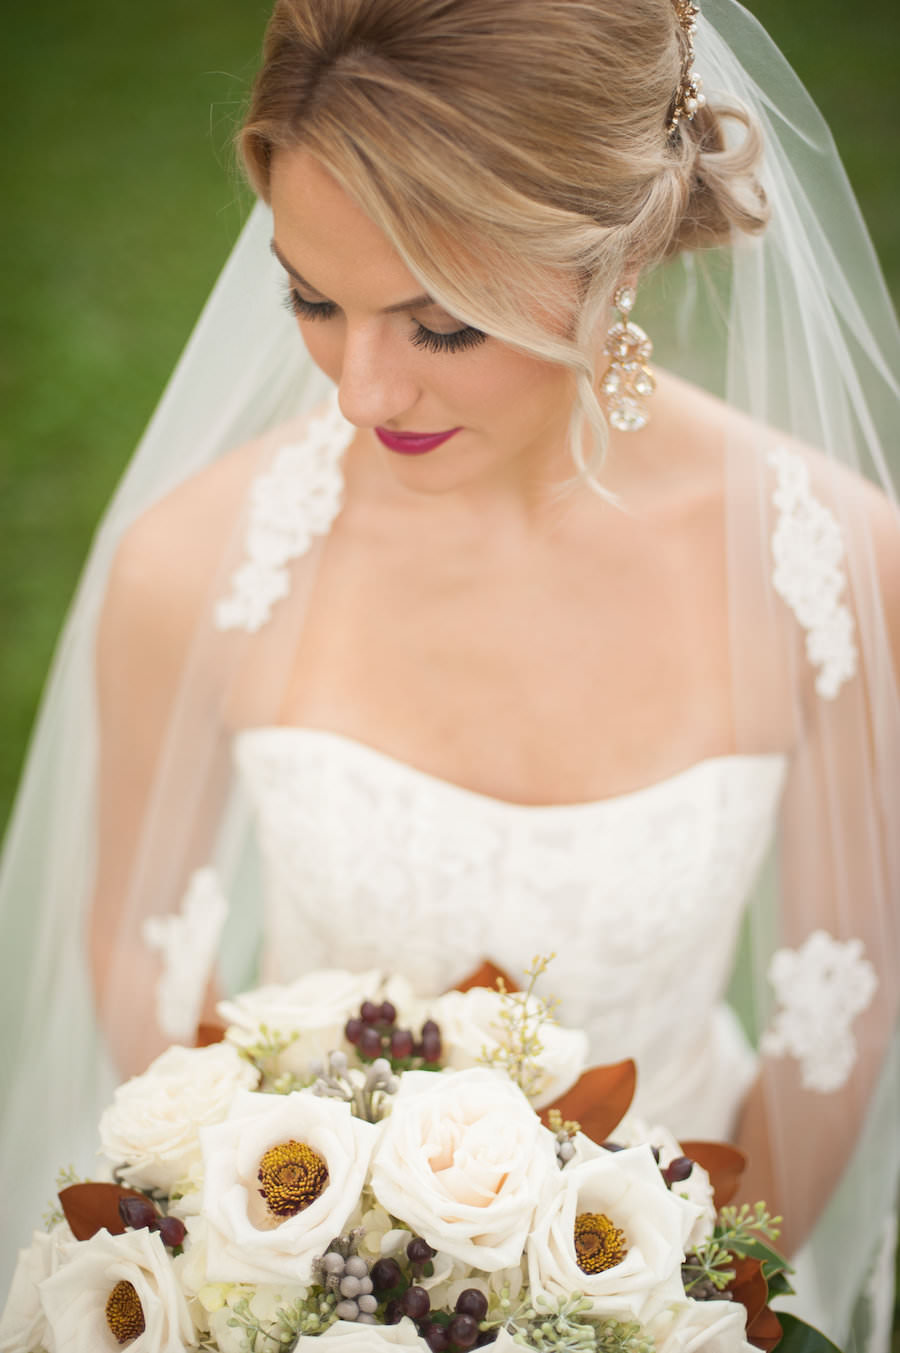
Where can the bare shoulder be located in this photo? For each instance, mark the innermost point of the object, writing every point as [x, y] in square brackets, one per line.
[168, 559]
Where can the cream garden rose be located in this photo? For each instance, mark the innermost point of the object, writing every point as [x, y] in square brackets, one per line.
[640, 1273]
[311, 1012]
[150, 1131]
[253, 1236]
[112, 1290]
[23, 1324]
[461, 1161]
[701, 1327]
[472, 1028]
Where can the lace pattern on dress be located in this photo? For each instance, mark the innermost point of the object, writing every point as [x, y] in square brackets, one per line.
[820, 989]
[297, 498]
[808, 549]
[187, 942]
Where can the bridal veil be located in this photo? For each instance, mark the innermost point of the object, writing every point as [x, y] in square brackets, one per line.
[796, 330]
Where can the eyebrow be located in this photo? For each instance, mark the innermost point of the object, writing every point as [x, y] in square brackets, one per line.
[414, 303]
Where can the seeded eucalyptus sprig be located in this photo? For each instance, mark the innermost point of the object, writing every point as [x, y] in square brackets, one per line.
[313, 1314]
[549, 1326]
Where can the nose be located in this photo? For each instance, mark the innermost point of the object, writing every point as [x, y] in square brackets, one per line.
[376, 382]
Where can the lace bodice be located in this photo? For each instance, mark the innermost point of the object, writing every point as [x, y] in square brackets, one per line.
[369, 862]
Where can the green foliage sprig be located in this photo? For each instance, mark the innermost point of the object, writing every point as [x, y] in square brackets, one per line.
[522, 1016]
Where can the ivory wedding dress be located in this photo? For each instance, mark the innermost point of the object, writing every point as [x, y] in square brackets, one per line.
[371, 863]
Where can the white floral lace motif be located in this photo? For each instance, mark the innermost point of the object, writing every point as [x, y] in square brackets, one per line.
[808, 549]
[297, 498]
[187, 942]
[820, 989]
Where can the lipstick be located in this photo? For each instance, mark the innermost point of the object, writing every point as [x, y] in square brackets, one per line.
[413, 443]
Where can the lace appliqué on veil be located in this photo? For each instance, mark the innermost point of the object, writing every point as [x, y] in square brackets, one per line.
[820, 989]
[187, 942]
[808, 549]
[297, 498]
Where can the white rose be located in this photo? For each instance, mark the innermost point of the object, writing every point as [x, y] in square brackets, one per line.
[311, 1011]
[462, 1161]
[116, 1289]
[247, 1241]
[626, 1189]
[710, 1326]
[472, 1029]
[350, 1337]
[697, 1188]
[23, 1324]
[150, 1129]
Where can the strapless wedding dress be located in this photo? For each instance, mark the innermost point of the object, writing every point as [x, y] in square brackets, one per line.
[369, 863]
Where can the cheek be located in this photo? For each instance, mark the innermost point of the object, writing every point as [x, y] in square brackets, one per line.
[517, 389]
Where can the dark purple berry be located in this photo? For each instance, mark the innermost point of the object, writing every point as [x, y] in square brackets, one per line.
[388, 1013]
[431, 1047]
[487, 1337]
[385, 1274]
[370, 1042]
[431, 1027]
[353, 1029]
[416, 1303]
[472, 1302]
[393, 1312]
[437, 1338]
[463, 1331]
[172, 1231]
[369, 1012]
[401, 1044]
[678, 1170]
[419, 1251]
[137, 1213]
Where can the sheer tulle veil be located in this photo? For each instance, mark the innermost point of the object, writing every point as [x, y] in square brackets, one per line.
[796, 330]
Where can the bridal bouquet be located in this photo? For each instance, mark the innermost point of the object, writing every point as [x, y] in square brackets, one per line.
[351, 1168]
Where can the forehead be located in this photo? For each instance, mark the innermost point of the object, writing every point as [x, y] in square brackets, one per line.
[329, 239]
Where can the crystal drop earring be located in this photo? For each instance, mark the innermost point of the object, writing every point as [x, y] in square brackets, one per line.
[628, 380]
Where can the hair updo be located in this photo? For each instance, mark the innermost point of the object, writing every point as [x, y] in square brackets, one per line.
[514, 152]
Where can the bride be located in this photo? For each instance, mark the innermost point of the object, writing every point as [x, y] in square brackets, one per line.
[502, 637]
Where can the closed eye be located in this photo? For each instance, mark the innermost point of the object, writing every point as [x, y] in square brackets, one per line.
[457, 340]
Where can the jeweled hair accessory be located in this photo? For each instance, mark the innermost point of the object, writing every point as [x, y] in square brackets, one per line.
[689, 95]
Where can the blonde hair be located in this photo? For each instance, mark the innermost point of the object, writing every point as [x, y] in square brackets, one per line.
[513, 152]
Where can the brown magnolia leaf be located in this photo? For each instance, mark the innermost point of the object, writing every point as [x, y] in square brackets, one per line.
[724, 1164]
[765, 1331]
[207, 1034]
[752, 1291]
[486, 975]
[89, 1207]
[599, 1099]
[749, 1286]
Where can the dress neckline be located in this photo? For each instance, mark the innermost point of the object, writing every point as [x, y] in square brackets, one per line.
[771, 763]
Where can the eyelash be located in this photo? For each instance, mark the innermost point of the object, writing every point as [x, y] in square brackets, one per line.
[459, 341]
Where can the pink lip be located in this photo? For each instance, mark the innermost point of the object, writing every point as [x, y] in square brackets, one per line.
[413, 443]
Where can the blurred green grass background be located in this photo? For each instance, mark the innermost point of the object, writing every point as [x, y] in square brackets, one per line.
[121, 203]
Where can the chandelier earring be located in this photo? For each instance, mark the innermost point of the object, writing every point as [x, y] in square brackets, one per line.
[628, 379]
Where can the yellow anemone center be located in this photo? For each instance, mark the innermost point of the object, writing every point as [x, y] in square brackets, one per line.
[124, 1313]
[292, 1175]
[599, 1244]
